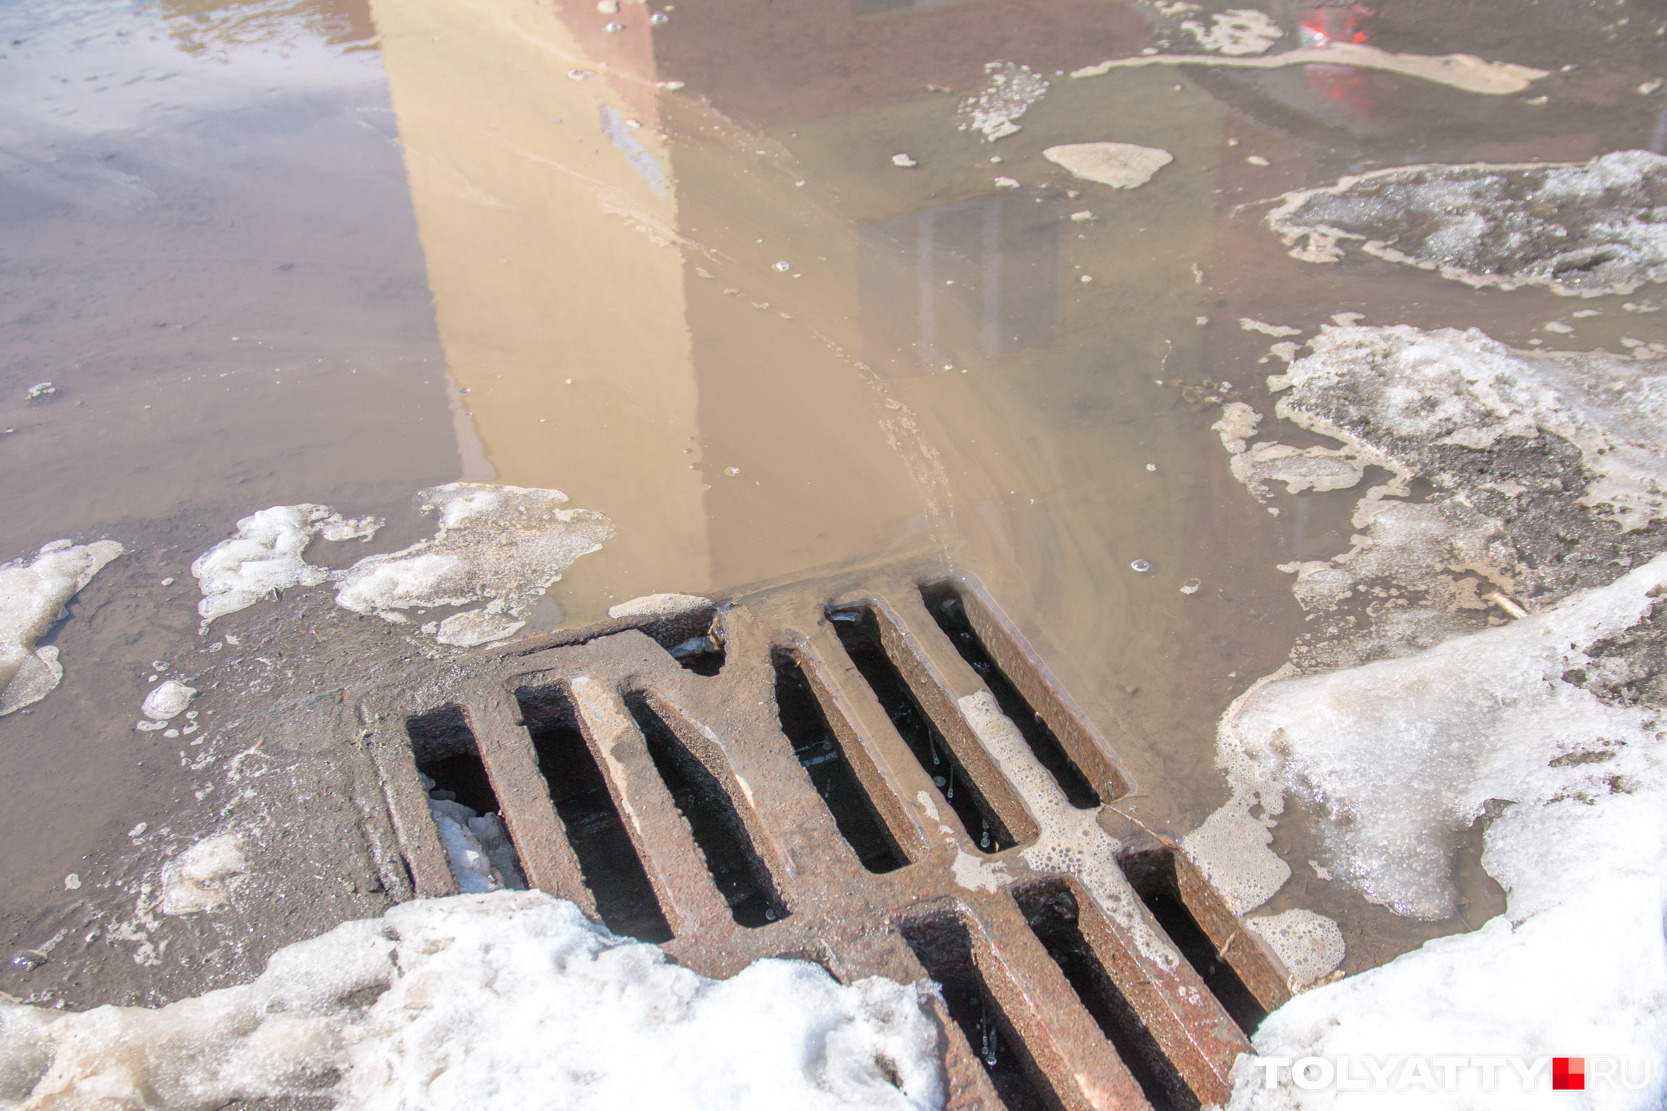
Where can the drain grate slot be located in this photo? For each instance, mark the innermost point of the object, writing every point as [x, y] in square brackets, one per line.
[948, 610]
[944, 948]
[825, 762]
[608, 860]
[1153, 876]
[1051, 910]
[740, 875]
[462, 803]
[858, 630]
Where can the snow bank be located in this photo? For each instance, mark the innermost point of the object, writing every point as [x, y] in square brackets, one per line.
[1581, 229]
[32, 598]
[266, 556]
[1547, 723]
[500, 1000]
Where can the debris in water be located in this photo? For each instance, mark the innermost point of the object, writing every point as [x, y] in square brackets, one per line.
[1141, 566]
[1008, 94]
[903, 160]
[39, 390]
[1236, 31]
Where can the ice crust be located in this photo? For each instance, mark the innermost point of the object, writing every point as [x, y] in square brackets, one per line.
[510, 999]
[1580, 229]
[1411, 750]
[32, 599]
[501, 545]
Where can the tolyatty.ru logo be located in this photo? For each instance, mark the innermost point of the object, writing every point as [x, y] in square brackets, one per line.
[1450, 1073]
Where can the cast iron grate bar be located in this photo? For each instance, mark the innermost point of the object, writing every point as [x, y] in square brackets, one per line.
[944, 949]
[824, 760]
[740, 875]
[858, 630]
[948, 610]
[608, 861]
[1152, 875]
[1051, 910]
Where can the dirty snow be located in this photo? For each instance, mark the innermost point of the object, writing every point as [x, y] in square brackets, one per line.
[1579, 228]
[658, 605]
[505, 999]
[1459, 71]
[1008, 93]
[1236, 31]
[1401, 755]
[265, 556]
[33, 597]
[203, 876]
[1309, 945]
[1119, 165]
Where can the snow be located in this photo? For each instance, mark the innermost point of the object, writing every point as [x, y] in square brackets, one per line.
[1579, 229]
[498, 1000]
[168, 699]
[1007, 94]
[1236, 31]
[1406, 753]
[1119, 165]
[265, 556]
[504, 545]
[32, 599]
[203, 876]
[501, 545]
[478, 848]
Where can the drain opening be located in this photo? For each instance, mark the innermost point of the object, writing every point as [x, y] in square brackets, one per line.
[736, 869]
[703, 652]
[462, 803]
[608, 861]
[944, 949]
[824, 760]
[945, 605]
[858, 630]
[1152, 875]
[1051, 910]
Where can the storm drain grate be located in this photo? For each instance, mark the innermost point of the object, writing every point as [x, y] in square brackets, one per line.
[872, 771]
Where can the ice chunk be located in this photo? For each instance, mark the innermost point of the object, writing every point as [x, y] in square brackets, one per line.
[1119, 165]
[504, 544]
[1308, 944]
[476, 627]
[1585, 228]
[202, 877]
[266, 556]
[167, 699]
[506, 999]
[658, 605]
[32, 596]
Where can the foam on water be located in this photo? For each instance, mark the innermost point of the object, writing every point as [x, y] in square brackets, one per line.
[1581, 229]
[510, 999]
[265, 556]
[32, 599]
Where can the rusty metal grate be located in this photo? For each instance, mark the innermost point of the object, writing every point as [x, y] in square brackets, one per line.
[872, 771]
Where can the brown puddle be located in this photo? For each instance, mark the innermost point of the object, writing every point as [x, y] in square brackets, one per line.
[674, 271]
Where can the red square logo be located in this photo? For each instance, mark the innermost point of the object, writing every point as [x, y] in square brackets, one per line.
[1568, 1074]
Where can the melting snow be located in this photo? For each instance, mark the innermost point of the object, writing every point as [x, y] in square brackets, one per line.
[32, 599]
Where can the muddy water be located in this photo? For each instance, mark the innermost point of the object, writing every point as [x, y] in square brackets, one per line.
[273, 253]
